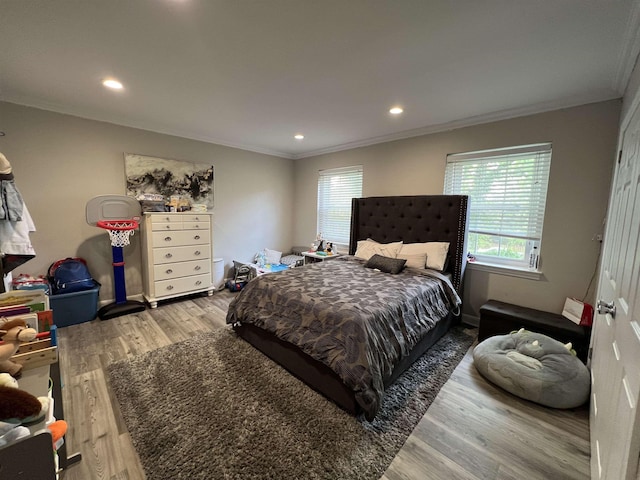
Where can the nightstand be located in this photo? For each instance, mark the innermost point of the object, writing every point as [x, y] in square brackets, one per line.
[312, 257]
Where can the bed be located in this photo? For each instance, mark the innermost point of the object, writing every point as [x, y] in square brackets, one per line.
[349, 331]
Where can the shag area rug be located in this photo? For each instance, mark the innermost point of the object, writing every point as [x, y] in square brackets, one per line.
[213, 407]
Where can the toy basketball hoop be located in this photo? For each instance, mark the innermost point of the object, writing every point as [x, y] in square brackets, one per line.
[120, 231]
[108, 212]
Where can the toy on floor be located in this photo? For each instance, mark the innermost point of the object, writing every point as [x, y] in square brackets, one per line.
[13, 333]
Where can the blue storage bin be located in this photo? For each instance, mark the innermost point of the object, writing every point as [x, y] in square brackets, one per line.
[73, 308]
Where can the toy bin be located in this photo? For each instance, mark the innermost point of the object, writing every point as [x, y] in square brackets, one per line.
[73, 308]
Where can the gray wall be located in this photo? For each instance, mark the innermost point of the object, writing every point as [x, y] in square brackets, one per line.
[584, 149]
[61, 161]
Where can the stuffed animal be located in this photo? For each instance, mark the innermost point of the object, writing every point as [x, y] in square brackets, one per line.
[13, 333]
[8, 381]
[18, 405]
[19, 408]
[58, 430]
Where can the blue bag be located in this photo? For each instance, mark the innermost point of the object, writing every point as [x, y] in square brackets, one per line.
[70, 275]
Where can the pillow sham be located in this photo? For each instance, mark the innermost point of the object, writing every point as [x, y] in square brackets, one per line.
[385, 264]
[273, 256]
[414, 260]
[368, 248]
[436, 253]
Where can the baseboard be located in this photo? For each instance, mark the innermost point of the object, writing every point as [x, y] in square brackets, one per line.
[471, 320]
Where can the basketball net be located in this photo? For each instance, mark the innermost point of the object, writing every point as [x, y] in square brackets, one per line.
[120, 231]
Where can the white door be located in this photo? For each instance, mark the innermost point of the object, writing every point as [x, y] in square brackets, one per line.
[615, 363]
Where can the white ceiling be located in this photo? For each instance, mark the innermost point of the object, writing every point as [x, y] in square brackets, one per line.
[252, 73]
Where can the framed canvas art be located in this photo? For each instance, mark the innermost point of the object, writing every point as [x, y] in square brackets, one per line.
[153, 175]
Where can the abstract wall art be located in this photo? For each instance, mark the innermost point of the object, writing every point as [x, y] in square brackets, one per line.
[191, 181]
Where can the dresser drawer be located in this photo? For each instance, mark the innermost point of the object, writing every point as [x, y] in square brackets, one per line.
[180, 254]
[181, 237]
[167, 218]
[182, 284]
[183, 269]
[195, 218]
[164, 226]
[201, 225]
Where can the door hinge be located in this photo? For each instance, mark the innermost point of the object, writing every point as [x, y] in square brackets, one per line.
[619, 157]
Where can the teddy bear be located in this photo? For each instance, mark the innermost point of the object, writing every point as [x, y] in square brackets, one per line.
[19, 408]
[13, 333]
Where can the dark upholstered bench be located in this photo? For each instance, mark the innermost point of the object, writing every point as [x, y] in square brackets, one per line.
[500, 318]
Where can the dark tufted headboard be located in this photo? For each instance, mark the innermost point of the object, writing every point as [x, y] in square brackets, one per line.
[415, 219]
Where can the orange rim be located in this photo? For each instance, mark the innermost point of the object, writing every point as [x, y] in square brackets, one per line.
[117, 224]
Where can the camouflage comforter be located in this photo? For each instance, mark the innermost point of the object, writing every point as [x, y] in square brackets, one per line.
[357, 321]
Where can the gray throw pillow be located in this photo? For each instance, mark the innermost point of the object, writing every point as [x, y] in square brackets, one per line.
[386, 264]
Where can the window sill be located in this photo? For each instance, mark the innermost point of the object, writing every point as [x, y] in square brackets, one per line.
[504, 270]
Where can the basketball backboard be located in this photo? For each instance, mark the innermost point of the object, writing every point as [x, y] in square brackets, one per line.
[112, 207]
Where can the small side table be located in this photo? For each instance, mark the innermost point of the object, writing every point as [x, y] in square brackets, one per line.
[313, 257]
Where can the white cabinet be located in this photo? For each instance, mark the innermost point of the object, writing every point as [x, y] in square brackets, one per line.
[177, 255]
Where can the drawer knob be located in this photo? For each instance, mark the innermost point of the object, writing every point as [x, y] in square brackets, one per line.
[168, 255]
[199, 282]
[169, 287]
[197, 252]
[168, 227]
[167, 239]
[198, 267]
[197, 237]
[169, 270]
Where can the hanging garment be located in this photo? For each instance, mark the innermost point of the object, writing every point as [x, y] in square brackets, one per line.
[10, 199]
[15, 243]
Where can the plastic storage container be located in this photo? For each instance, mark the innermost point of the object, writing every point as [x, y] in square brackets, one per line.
[73, 308]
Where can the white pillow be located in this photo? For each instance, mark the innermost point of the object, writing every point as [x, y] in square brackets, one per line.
[368, 248]
[414, 260]
[436, 253]
[273, 256]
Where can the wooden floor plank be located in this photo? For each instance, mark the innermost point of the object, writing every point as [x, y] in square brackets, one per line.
[472, 431]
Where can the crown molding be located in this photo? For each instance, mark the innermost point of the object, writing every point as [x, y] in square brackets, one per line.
[118, 121]
[443, 127]
[467, 122]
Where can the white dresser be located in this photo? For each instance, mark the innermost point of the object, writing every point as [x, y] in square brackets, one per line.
[177, 255]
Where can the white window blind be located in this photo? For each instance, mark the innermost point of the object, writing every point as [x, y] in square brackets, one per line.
[336, 188]
[507, 189]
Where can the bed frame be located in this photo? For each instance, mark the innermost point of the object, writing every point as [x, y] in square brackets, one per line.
[422, 218]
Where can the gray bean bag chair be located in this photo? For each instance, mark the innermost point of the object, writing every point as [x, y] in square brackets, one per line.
[534, 367]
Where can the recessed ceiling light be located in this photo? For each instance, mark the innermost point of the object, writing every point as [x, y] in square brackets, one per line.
[298, 136]
[396, 111]
[112, 84]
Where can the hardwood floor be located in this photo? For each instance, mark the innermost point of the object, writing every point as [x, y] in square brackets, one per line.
[473, 430]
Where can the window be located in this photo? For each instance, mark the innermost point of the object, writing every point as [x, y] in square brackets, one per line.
[336, 188]
[507, 191]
